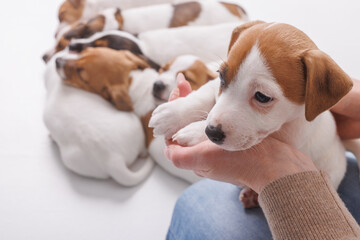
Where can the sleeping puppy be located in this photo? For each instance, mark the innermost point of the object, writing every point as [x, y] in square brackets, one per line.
[275, 82]
[161, 46]
[73, 10]
[94, 138]
[83, 72]
[151, 18]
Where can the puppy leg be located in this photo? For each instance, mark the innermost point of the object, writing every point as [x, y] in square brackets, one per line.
[192, 134]
[169, 117]
[249, 198]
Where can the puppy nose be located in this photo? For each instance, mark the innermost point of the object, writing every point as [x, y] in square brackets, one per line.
[215, 134]
[59, 62]
[45, 57]
[76, 47]
[158, 87]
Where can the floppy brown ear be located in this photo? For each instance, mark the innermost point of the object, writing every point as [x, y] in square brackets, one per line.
[238, 30]
[119, 96]
[326, 83]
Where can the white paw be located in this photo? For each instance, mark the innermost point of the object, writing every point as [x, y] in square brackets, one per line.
[192, 134]
[166, 120]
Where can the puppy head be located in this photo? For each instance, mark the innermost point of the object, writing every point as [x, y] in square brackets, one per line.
[274, 74]
[71, 10]
[79, 30]
[194, 70]
[102, 71]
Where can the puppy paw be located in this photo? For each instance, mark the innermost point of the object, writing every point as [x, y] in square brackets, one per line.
[249, 198]
[169, 117]
[192, 134]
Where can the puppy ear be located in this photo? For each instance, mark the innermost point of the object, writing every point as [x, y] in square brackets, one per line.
[78, 31]
[95, 24]
[119, 96]
[238, 30]
[326, 83]
[119, 18]
[137, 61]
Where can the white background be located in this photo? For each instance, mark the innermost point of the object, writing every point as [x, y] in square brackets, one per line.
[39, 198]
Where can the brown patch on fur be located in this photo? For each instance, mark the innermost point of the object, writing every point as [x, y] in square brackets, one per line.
[105, 72]
[198, 74]
[149, 135]
[96, 24]
[71, 10]
[305, 74]
[184, 13]
[119, 18]
[234, 9]
[326, 83]
[242, 40]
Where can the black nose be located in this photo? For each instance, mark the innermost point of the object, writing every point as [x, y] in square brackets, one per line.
[215, 134]
[76, 47]
[59, 62]
[158, 87]
[45, 57]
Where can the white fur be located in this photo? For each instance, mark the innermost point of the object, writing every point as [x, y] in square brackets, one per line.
[110, 22]
[94, 138]
[209, 43]
[93, 7]
[143, 19]
[244, 126]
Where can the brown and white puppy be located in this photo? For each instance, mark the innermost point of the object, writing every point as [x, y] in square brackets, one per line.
[275, 82]
[154, 17]
[147, 18]
[130, 87]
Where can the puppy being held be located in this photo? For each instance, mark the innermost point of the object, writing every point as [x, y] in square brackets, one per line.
[275, 82]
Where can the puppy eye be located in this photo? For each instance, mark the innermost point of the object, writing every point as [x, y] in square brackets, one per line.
[260, 97]
[222, 81]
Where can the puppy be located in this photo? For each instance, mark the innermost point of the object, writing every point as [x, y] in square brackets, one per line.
[152, 17]
[94, 138]
[81, 72]
[275, 82]
[73, 10]
[209, 43]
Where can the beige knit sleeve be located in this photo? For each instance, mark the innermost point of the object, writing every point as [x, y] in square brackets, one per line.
[306, 206]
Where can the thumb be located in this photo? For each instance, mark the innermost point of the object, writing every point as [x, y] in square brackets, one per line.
[183, 85]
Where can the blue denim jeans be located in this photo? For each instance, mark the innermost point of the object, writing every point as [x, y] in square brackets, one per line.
[211, 210]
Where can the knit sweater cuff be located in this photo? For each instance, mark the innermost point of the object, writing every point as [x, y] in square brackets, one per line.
[305, 206]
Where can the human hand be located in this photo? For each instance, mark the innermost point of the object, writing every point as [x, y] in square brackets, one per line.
[347, 113]
[255, 167]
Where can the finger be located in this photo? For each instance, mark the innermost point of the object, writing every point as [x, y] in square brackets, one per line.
[348, 128]
[183, 85]
[175, 93]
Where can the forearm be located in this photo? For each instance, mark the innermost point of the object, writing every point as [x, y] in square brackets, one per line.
[305, 206]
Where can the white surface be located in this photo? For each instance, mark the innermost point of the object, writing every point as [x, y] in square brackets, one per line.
[39, 198]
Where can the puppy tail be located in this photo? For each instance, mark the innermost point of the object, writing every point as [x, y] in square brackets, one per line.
[353, 146]
[125, 176]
